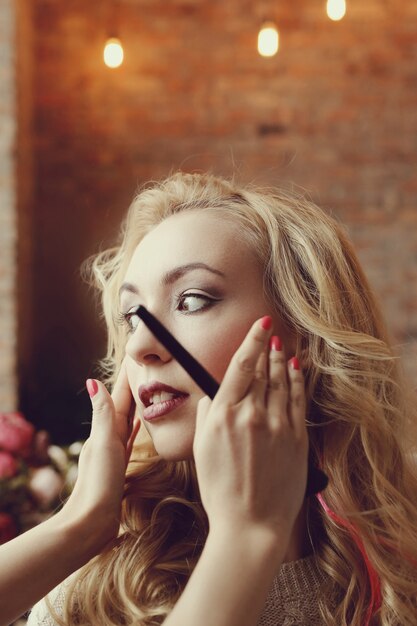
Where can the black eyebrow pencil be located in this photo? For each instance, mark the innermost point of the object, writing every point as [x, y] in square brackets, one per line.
[197, 372]
[316, 480]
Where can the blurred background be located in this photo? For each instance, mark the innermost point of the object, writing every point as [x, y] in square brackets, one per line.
[333, 111]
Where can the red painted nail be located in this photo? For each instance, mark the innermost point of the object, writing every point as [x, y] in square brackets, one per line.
[295, 364]
[266, 322]
[275, 343]
[92, 387]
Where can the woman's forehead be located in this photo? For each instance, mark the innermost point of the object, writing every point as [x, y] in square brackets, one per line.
[192, 233]
[191, 238]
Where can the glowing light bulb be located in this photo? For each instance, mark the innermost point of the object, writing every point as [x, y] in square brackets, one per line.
[113, 52]
[268, 40]
[336, 9]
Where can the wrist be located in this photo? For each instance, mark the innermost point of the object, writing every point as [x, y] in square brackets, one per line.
[230, 582]
[258, 542]
[83, 532]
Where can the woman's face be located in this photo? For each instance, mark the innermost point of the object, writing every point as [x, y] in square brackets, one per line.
[198, 277]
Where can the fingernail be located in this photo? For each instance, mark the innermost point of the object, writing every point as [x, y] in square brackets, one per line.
[294, 362]
[275, 343]
[92, 387]
[266, 322]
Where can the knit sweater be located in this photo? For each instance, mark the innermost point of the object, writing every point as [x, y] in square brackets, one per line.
[292, 599]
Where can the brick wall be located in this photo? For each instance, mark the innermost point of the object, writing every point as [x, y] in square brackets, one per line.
[334, 112]
[27, 301]
[8, 203]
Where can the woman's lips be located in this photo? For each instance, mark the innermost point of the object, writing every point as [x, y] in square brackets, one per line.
[159, 399]
[160, 409]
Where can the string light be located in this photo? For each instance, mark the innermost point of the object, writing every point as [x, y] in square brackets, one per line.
[268, 40]
[113, 52]
[336, 9]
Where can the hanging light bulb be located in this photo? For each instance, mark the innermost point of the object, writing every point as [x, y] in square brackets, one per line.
[268, 40]
[113, 52]
[336, 9]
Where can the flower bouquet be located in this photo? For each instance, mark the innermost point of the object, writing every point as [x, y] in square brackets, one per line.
[35, 476]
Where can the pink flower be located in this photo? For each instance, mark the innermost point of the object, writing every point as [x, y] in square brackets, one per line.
[8, 529]
[46, 485]
[8, 465]
[16, 433]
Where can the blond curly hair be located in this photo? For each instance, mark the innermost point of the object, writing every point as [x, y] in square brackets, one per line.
[360, 422]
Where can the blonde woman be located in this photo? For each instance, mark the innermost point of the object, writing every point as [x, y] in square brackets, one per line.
[215, 529]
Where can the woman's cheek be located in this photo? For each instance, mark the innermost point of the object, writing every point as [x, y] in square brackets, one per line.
[220, 349]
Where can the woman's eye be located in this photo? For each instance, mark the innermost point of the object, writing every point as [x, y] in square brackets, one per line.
[132, 320]
[192, 302]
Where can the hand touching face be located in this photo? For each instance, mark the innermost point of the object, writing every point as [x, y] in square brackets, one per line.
[251, 441]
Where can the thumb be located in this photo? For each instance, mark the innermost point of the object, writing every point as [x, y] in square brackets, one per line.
[124, 405]
[203, 408]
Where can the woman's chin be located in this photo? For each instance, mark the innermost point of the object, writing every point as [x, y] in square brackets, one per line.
[171, 452]
[172, 443]
[175, 456]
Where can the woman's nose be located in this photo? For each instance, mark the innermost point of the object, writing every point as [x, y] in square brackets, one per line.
[145, 348]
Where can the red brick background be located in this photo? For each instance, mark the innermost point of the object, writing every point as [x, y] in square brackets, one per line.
[335, 112]
[8, 213]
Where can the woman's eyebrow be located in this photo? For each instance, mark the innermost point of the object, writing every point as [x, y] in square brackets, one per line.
[173, 275]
